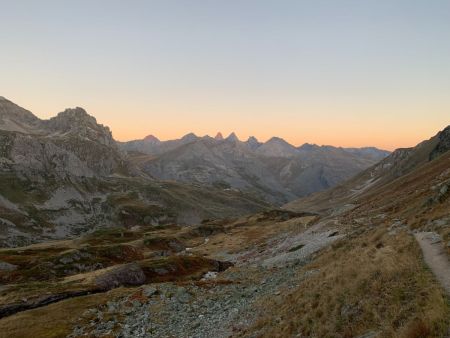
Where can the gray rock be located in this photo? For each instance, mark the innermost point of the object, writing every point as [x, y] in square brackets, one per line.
[234, 165]
[5, 266]
[124, 275]
[149, 290]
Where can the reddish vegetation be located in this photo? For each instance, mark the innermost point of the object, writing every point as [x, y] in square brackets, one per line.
[179, 267]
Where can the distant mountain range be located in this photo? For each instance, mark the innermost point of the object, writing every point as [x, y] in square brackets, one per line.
[66, 175]
[274, 170]
[405, 182]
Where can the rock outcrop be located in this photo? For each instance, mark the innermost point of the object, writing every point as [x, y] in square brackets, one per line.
[443, 143]
[275, 170]
[66, 175]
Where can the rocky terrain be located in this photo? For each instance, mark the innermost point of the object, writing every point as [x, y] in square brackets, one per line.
[275, 170]
[359, 273]
[372, 181]
[149, 258]
[65, 176]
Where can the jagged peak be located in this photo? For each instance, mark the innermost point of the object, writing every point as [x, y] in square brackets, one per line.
[74, 118]
[232, 137]
[75, 111]
[253, 142]
[78, 121]
[219, 136]
[75, 114]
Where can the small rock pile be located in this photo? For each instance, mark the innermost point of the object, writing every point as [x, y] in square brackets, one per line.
[211, 308]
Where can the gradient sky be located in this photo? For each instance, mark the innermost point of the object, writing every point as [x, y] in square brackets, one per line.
[346, 73]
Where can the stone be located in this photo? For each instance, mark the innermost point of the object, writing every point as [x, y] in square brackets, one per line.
[149, 290]
[125, 275]
[111, 307]
[210, 275]
[183, 296]
[5, 266]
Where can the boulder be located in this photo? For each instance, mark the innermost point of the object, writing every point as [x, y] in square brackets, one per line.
[125, 275]
[5, 266]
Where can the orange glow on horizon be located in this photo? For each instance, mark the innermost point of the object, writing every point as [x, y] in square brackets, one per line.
[347, 138]
[336, 123]
[372, 74]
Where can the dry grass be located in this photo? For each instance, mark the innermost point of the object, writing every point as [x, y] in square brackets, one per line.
[55, 320]
[175, 268]
[376, 282]
[52, 268]
[250, 233]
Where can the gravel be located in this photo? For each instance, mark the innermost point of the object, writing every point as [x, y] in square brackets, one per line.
[218, 305]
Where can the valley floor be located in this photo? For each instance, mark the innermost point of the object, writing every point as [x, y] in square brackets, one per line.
[293, 275]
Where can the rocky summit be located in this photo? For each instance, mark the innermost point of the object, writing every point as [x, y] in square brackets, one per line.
[229, 177]
[99, 240]
[275, 171]
[66, 175]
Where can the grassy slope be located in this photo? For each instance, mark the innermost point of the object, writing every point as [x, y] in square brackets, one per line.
[116, 201]
[384, 173]
[55, 320]
[373, 282]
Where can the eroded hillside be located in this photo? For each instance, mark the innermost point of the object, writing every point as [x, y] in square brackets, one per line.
[65, 176]
[275, 170]
[275, 274]
[348, 262]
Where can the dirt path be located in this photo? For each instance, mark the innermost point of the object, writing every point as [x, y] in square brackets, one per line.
[435, 257]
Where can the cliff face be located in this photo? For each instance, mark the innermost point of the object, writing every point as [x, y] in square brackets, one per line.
[70, 144]
[372, 181]
[275, 170]
[65, 176]
[443, 143]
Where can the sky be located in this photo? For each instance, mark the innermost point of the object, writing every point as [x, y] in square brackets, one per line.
[345, 73]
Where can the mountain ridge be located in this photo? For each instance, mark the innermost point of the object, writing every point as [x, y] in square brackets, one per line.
[130, 145]
[275, 170]
[398, 164]
[66, 175]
